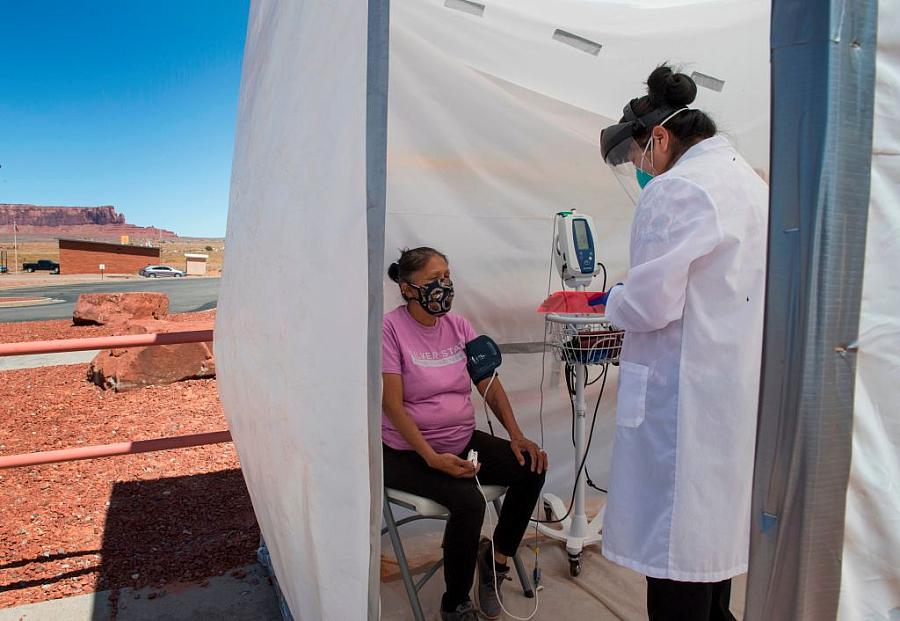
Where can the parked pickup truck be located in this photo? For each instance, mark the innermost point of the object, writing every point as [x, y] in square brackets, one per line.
[45, 265]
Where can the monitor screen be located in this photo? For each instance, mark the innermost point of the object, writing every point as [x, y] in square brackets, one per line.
[581, 234]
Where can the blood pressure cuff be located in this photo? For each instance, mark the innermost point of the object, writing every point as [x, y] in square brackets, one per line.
[482, 358]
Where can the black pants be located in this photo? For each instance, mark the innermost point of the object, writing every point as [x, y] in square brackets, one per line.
[408, 472]
[670, 600]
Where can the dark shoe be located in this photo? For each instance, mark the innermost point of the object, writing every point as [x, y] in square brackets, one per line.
[488, 591]
[463, 612]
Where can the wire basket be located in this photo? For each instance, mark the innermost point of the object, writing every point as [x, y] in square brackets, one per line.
[584, 339]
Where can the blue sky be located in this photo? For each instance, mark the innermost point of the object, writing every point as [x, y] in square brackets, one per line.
[126, 103]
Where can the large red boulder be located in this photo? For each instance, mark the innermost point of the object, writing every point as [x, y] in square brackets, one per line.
[105, 308]
[135, 367]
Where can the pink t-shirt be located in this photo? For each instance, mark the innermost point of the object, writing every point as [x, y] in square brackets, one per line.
[437, 390]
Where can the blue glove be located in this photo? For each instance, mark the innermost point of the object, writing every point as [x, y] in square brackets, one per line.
[600, 298]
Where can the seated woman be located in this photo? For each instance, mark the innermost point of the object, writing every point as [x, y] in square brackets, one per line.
[428, 428]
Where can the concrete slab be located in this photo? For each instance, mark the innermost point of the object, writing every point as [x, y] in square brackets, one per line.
[603, 591]
[8, 363]
[80, 608]
[249, 597]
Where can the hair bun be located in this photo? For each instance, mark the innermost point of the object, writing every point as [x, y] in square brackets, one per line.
[665, 87]
[394, 272]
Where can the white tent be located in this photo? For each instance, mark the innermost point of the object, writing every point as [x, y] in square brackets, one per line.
[870, 572]
[493, 109]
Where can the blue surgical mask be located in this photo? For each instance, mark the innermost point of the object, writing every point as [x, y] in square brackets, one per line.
[643, 178]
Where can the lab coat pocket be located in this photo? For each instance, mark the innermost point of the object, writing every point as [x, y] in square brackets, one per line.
[632, 394]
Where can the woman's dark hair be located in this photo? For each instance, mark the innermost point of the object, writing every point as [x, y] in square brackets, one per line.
[668, 89]
[410, 262]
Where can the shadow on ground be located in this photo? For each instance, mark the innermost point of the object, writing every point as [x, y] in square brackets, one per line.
[161, 539]
[181, 529]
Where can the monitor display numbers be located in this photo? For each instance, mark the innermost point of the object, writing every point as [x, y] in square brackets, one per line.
[580, 228]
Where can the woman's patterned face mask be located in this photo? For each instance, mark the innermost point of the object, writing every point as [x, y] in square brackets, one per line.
[436, 297]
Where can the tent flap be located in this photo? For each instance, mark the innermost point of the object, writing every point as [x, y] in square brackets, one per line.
[293, 322]
[823, 70]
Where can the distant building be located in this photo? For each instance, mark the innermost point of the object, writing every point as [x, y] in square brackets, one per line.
[195, 264]
[85, 257]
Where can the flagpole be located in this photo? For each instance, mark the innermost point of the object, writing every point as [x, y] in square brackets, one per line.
[16, 245]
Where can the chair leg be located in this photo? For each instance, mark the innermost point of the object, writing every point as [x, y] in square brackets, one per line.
[527, 590]
[408, 583]
[524, 580]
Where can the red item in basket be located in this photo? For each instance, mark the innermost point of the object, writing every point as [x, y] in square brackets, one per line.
[571, 302]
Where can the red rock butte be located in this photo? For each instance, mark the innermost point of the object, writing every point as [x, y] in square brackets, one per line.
[55, 221]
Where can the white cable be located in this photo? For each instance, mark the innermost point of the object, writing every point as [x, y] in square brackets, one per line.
[487, 510]
[494, 569]
[546, 329]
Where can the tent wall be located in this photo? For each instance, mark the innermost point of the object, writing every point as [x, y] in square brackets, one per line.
[493, 125]
[293, 319]
[870, 577]
[823, 67]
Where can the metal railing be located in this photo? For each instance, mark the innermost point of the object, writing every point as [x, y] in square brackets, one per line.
[130, 447]
[105, 342]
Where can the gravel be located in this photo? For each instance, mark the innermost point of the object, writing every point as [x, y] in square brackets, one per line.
[133, 521]
[63, 328]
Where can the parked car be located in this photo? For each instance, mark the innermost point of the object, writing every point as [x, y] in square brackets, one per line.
[160, 271]
[3, 269]
[44, 265]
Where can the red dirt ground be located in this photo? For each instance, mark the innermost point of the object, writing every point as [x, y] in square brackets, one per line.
[63, 328]
[139, 520]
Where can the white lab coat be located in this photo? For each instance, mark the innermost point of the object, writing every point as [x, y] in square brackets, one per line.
[692, 308]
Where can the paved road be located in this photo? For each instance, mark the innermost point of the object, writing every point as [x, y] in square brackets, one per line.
[185, 295]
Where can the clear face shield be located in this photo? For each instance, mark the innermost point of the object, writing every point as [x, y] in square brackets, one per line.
[627, 159]
[631, 161]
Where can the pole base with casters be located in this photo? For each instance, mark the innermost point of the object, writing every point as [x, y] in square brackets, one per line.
[582, 341]
[576, 531]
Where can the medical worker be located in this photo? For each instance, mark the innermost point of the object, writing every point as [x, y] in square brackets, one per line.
[692, 306]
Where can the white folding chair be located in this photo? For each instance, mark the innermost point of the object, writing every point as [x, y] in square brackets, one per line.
[426, 509]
